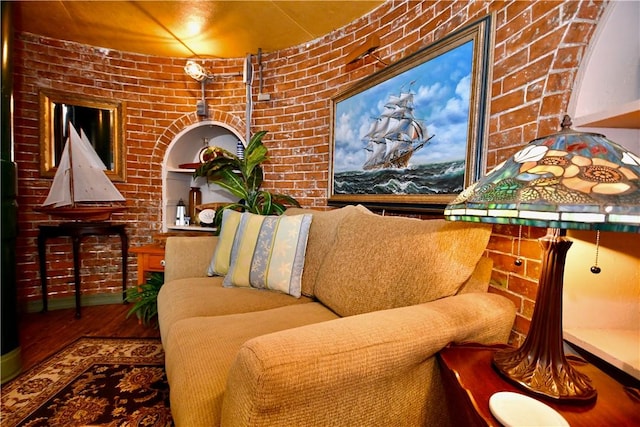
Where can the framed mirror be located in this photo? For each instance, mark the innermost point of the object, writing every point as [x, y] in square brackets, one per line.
[100, 119]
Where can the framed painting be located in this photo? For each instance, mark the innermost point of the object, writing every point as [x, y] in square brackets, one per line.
[412, 136]
[100, 119]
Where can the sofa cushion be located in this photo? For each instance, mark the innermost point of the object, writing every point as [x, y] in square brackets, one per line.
[479, 280]
[205, 296]
[322, 234]
[268, 252]
[221, 260]
[199, 352]
[386, 262]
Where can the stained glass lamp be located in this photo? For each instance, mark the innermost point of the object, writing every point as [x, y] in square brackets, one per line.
[570, 180]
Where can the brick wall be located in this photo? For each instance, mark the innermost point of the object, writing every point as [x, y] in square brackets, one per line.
[538, 47]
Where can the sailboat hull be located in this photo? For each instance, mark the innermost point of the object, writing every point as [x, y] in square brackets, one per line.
[83, 213]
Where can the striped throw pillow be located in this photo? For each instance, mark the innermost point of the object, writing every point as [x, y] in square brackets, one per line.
[268, 253]
[219, 265]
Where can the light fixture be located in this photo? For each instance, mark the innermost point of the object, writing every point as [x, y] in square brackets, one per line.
[367, 47]
[569, 180]
[196, 71]
[199, 74]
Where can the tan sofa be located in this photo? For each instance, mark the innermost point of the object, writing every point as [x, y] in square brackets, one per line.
[381, 297]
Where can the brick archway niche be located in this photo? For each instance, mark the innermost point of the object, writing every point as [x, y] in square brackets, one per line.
[180, 143]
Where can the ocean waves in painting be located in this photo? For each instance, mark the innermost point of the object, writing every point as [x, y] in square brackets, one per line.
[438, 178]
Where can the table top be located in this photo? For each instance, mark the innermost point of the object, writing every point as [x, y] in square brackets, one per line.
[473, 369]
[154, 249]
[81, 226]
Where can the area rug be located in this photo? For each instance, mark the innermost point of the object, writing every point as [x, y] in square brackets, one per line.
[92, 382]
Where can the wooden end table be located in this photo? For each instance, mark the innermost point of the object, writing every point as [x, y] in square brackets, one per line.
[470, 380]
[150, 259]
[77, 231]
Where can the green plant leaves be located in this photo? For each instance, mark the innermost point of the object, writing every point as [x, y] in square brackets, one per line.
[243, 178]
[145, 297]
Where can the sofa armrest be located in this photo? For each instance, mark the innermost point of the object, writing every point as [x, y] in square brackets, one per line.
[375, 366]
[188, 256]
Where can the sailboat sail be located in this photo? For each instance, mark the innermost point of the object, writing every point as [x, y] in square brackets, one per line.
[80, 178]
[395, 135]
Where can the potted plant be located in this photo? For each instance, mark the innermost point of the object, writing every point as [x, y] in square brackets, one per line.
[243, 177]
[145, 298]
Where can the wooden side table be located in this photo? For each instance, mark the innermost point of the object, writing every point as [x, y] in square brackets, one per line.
[150, 258]
[470, 380]
[78, 230]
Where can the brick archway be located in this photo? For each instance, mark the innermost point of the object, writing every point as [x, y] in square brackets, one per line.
[187, 120]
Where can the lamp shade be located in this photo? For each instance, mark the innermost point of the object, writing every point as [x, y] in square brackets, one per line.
[567, 180]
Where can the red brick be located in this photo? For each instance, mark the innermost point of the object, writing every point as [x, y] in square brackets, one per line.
[529, 95]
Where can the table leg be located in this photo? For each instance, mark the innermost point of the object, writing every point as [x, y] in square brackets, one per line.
[43, 270]
[124, 240]
[76, 271]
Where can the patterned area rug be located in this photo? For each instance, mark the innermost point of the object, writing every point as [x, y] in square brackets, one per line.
[92, 382]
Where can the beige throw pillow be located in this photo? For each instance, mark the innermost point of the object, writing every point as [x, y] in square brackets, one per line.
[221, 260]
[380, 262]
[322, 234]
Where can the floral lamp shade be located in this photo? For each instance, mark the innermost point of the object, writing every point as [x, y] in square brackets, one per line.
[570, 180]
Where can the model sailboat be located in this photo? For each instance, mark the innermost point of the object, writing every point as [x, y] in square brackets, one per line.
[81, 190]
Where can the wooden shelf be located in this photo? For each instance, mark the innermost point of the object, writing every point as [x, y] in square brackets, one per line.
[618, 347]
[180, 170]
[625, 116]
[191, 228]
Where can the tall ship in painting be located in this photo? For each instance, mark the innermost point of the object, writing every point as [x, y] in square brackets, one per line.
[395, 135]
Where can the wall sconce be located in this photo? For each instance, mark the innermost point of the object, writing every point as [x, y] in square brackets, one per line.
[199, 74]
[367, 47]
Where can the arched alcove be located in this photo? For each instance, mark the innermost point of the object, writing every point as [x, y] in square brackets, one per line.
[178, 166]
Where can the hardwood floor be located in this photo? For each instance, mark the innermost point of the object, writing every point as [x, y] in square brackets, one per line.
[42, 334]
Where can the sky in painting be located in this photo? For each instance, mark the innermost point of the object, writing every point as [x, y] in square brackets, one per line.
[441, 87]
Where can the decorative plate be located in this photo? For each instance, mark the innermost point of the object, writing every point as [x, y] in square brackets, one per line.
[206, 216]
[516, 410]
[201, 153]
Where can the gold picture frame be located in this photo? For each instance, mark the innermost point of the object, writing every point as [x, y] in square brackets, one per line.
[439, 97]
[102, 120]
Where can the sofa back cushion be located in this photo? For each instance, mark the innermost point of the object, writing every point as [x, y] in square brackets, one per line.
[380, 262]
[322, 234]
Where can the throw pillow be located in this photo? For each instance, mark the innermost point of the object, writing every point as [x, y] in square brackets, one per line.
[268, 253]
[378, 263]
[322, 235]
[221, 260]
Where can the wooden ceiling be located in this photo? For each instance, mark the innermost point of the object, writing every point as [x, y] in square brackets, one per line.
[223, 29]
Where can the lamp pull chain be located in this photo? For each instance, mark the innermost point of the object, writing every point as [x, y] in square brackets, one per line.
[518, 261]
[595, 269]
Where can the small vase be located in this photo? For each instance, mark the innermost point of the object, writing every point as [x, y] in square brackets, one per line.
[195, 198]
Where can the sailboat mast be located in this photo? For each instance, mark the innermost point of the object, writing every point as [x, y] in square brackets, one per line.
[73, 199]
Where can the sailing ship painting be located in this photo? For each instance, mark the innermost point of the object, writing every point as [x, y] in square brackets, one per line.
[395, 135]
[410, 135]
[81, 191]
[400, 156]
